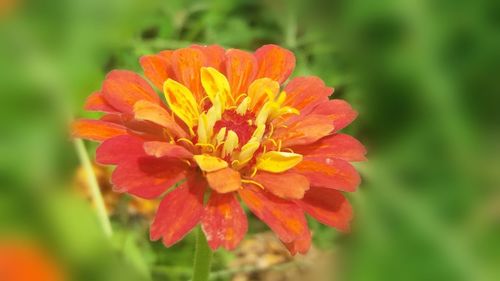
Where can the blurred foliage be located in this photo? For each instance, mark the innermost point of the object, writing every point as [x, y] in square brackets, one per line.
[424, 76]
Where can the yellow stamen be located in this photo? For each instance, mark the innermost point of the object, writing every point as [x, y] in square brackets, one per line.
[185, 140]
[230, 144]
[254, 172]
[252, 182]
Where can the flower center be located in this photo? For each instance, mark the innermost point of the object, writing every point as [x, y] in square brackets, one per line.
[242, 125]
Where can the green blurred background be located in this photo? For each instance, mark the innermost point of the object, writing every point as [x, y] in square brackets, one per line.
[423, 74]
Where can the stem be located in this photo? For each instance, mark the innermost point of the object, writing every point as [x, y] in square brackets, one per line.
[202, 257]
[95, 191]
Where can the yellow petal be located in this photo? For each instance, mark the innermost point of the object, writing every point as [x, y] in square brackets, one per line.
[220, 135]
[204, 129]
[209, 163]
[258, 133]
[243, 106]
[262, 90]
[230, 144]
[215, 83]
[277, 162]
[266, 112]
[247, 152]
[284, 111]
[181, 101]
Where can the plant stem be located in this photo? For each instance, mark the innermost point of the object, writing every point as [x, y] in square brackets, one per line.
[202, 257]
[95, 191]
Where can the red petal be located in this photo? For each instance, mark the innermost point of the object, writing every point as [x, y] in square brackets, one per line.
[338, 146]
[214, 55]
[241, 68]
[286, 185]
[224, 221]
[328, 206]
[329, 173]
[282, 216]
[122, 89]
[224, 180]
[187, 63]
[96, 130]
[119, 149]
[157, 69]
[164, 149]
[300, 245]
[305, 130]
[96, 102]
[148, 177]
[305, 93]
[179, 212]
[340, 110]
[274, 62]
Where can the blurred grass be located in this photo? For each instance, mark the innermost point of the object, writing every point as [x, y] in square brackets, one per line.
[422, 74]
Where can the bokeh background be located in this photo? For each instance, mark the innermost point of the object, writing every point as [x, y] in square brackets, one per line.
[423, 74]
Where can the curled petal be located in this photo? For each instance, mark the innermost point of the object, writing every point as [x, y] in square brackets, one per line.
[179, 211]
[97, 102]
[224, 221]
[340, 110]
[261, 91]
[187, 63]
[96, 130]
[122, 89]
[274, 62]
[338, 146]
[164, 149]
[282, 216]
[241, 68]
[155, 113]
[286, 185]
[157, 69]
[224, 180]
[120, 149]
[300, 245]
[148, 177]
[305, 130]
[305, 93]
[328, 206]
[329, 173]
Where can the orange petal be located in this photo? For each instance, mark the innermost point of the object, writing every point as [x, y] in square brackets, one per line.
[329, 173]
[338, 146]
[148, 111]
[274, 62]
[286, 185]
[224, 180]
[300, 245]
[282, 216]
[96, 130]
[214, 55]
[328, 206]
[179, 212]
[340, 110]
[305, 130]
[122, 89]
[157, 69]
[241, 68]
[96, 102]
[187, 63]
[305, 93]
[224, 221]
[164, 149]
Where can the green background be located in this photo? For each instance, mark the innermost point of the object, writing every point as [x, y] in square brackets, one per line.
[424, 76]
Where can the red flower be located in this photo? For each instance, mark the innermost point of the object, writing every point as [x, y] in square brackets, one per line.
[229, 130]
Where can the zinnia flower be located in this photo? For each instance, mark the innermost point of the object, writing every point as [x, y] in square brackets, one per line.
[227, 129]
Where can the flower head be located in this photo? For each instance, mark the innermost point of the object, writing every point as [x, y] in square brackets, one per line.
[227, 128]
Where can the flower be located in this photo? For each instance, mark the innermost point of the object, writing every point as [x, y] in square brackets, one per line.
[227, 129]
